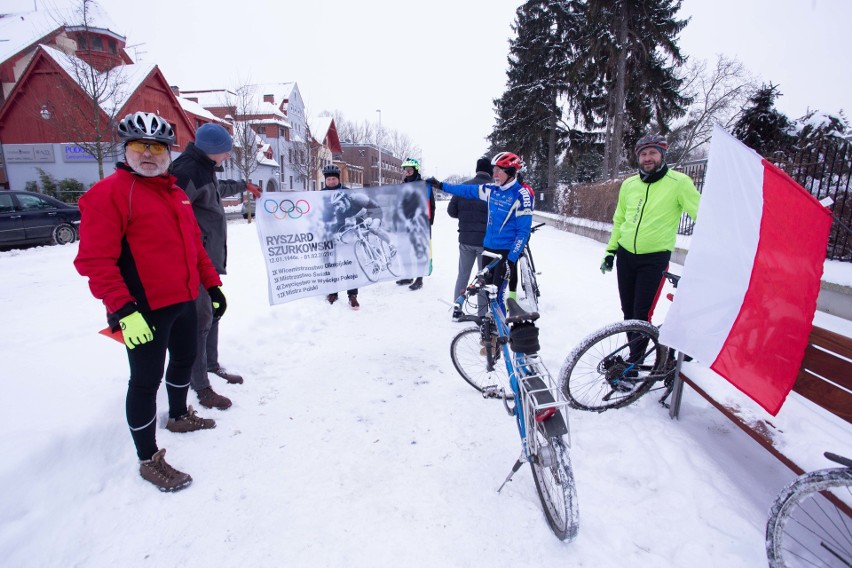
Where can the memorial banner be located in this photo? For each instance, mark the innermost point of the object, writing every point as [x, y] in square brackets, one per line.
[320, 242]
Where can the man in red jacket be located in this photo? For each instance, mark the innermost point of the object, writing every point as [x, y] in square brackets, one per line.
[141, 249]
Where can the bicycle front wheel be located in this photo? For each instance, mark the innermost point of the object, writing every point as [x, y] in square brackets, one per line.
[394, 263]
[554, 482]
[614, 366]
[806, 527]
[528, 283]
[367, 260]
[470, 361]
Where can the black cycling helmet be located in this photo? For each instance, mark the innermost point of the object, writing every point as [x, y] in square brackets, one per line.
[146, 126]
[331, 170]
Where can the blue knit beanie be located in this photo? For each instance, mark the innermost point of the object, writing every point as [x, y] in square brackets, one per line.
[213, 139]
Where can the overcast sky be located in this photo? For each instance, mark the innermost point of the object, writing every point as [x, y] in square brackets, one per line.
[434, 68]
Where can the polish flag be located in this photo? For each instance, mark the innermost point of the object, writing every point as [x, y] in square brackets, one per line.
[746, 302]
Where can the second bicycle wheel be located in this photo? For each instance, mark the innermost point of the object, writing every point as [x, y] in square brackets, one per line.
[806, 528]
[529, 284]
[554, 481]
[469, 360]
[394, 264]
[367, 260]
[614, 366]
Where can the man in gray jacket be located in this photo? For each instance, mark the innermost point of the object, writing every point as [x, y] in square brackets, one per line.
[195, 170]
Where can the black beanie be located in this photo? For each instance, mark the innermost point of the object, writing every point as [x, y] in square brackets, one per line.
[483, 164]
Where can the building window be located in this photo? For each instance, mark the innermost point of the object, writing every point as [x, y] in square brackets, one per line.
[261, 130]
[291, 182]
[112, 46]
[97, 43]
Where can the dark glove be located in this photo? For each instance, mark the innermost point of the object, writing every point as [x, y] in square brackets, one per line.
[253, 189]
[217, 298]
[606, 265]
[434, 183]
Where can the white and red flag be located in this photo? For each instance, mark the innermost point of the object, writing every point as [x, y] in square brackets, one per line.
[746, 302]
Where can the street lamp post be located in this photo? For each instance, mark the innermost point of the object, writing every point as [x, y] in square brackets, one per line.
[379, 140]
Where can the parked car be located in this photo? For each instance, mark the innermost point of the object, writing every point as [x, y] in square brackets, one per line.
[31, 218]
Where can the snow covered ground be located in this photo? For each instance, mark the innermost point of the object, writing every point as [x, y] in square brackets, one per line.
[353, 441]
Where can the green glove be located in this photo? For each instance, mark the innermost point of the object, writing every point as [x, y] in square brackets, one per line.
[217, 298]
[135, 330]
[606, 265]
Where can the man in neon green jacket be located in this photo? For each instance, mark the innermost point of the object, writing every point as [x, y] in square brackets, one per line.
[644, 226]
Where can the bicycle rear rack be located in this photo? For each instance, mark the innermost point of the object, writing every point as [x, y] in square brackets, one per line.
[542, 399]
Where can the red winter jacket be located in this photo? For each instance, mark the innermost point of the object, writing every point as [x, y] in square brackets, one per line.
[140, 242]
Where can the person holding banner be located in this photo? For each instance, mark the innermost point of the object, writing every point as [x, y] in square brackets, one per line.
[140, 248]
[510, 209]
[644, 227]
[412, 205]
[331, 173]
[195, 171]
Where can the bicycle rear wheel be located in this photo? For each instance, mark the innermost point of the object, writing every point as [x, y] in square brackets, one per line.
[614, 366]
[466, 352]
[805, 528]
[529, 284]
[394, 264]
[554, 482]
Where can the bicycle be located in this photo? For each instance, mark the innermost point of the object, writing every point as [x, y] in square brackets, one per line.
[539, 410]
[527, 280]
[809, 522]
[373, 254]
[617, 364]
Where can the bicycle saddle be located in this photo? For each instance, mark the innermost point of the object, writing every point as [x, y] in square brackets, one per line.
[518, 314]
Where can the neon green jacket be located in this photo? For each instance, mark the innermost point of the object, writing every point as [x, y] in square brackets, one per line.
[647, 215]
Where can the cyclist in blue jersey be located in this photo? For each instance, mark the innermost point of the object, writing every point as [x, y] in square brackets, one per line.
[510, 209]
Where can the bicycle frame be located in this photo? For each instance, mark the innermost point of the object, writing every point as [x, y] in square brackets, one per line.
[536, 396]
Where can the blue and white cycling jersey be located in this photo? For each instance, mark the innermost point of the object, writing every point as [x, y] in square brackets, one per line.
[509, 214]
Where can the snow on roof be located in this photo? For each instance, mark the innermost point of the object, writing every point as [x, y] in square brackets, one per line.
[224, 97]
[211, 98]
[263, 160]
[279, 91]
[17, 31]
[320, 126]
[130, 77]
[276, 121]
[198, 110]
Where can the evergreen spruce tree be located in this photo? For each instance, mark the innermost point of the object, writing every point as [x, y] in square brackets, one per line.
[528, 112]
[762, 127]
[623, 73]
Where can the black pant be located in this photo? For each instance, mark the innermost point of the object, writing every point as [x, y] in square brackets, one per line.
[503, 271]
[175, 330]
[640, 280]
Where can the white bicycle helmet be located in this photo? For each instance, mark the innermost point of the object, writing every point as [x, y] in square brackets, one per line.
[146, 126]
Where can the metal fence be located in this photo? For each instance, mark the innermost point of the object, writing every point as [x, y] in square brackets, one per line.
[825, 171]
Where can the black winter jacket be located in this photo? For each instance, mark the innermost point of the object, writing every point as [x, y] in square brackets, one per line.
[196, 175]
[471, 213]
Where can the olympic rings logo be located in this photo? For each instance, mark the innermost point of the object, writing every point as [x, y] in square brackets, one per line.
[286, 208]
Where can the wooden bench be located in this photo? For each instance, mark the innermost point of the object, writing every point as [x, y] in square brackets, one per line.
[825, 379]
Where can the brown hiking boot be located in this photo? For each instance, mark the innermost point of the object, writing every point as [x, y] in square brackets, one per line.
[353, 303]
[331, 298]
[208, 398]
[161, 474]
[230, 377]
[189, 422]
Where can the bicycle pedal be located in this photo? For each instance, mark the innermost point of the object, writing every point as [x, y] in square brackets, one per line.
[492, 392]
